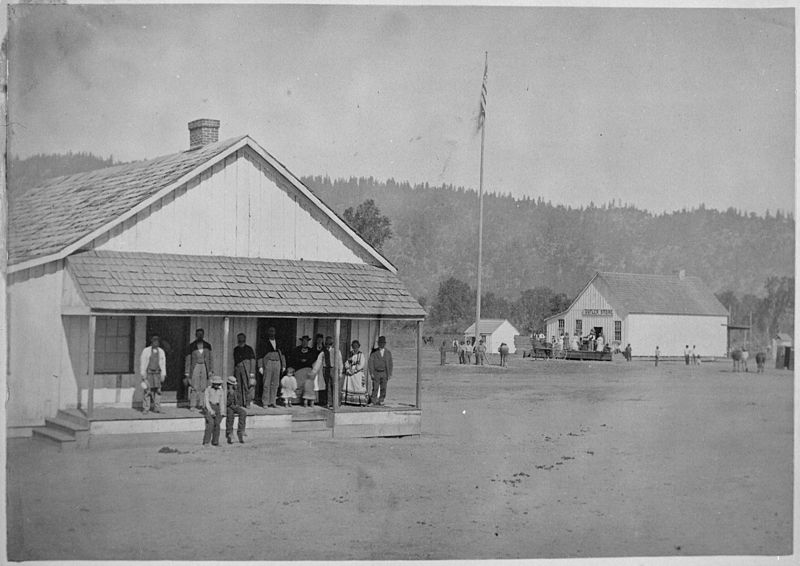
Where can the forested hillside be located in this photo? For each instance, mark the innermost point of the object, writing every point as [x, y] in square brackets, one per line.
[33, 170]
[529, 243]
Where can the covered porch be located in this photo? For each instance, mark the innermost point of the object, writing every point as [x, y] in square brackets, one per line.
[114, 301]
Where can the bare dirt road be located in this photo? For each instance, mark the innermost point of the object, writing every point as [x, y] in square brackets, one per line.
[545, 459]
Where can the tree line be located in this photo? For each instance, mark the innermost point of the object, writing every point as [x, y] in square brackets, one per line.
[766, 315]
[530, 243]
[453, 308]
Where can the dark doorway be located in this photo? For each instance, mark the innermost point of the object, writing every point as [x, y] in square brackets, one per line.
[326, 327]
[285, 331]
[598, 331]
[174, 334]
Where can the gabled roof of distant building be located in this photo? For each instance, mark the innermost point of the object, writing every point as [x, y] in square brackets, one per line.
[630, 293]
[133, 282]
[487, 326]
[53, 220]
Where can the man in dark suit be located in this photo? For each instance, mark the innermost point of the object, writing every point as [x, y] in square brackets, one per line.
[380, 368]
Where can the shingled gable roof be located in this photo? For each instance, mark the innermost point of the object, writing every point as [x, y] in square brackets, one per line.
[630, 293]
[56, 219]
[132, 282]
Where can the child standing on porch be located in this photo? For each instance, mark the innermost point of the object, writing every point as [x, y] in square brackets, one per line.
[288, 387]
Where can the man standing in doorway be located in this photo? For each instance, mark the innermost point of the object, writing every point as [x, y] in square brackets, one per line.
[271, 366]
[244, 368]
[153, 367]
[199, 369]
[380, 368]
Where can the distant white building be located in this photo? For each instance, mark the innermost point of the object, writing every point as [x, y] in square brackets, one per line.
[494, 332]
[646, 311]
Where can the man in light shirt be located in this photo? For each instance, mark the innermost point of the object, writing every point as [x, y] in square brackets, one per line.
[153, 368]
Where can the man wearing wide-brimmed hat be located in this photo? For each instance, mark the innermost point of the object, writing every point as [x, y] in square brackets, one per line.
[213, 408]
[234, 407]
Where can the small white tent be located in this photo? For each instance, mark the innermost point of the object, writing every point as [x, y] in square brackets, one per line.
[494, 332]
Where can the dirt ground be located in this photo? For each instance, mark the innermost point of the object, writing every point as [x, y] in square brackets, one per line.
[545, 459]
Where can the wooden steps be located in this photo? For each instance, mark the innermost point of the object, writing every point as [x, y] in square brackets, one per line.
[67, 430]
[314, 423]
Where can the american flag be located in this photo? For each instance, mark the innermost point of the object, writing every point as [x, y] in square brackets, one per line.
[482, 115]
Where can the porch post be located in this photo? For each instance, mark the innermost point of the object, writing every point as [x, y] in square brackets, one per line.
[90, 372]
[419, 361]
[337, 327]
[226, 330]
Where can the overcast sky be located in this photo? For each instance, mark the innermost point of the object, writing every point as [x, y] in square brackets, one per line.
[661, 108]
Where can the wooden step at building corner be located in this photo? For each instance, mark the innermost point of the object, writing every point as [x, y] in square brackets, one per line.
[67, 426]
[54, 437]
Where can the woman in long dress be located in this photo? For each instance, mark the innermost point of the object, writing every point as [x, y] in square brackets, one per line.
[354, 386]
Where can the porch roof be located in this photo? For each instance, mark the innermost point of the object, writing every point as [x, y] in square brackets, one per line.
[166, 283]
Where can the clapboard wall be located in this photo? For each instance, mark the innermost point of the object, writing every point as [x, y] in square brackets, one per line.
[240, 207]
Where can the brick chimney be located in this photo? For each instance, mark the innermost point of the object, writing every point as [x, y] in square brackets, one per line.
[203, 132]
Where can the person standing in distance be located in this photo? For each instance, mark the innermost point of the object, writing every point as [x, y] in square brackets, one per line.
[380, 368]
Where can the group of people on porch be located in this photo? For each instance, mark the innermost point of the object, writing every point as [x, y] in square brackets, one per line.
[307, 373]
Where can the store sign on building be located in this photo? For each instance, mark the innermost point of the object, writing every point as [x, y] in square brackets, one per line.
[598, 312]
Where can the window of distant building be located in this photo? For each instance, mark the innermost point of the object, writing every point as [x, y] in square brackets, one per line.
[618, 330]
[113, 345]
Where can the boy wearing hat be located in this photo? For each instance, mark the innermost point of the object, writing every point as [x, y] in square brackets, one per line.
[213, 405]
[234, 407]
[380, 368]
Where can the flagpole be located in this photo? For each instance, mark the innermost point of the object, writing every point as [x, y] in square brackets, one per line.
[480, 210]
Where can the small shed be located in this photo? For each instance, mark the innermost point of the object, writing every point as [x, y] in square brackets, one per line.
[783, 350]
[494, 332]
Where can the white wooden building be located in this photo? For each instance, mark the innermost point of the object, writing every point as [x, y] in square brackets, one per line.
[646, 311]
[221, 237]
[494, 332]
